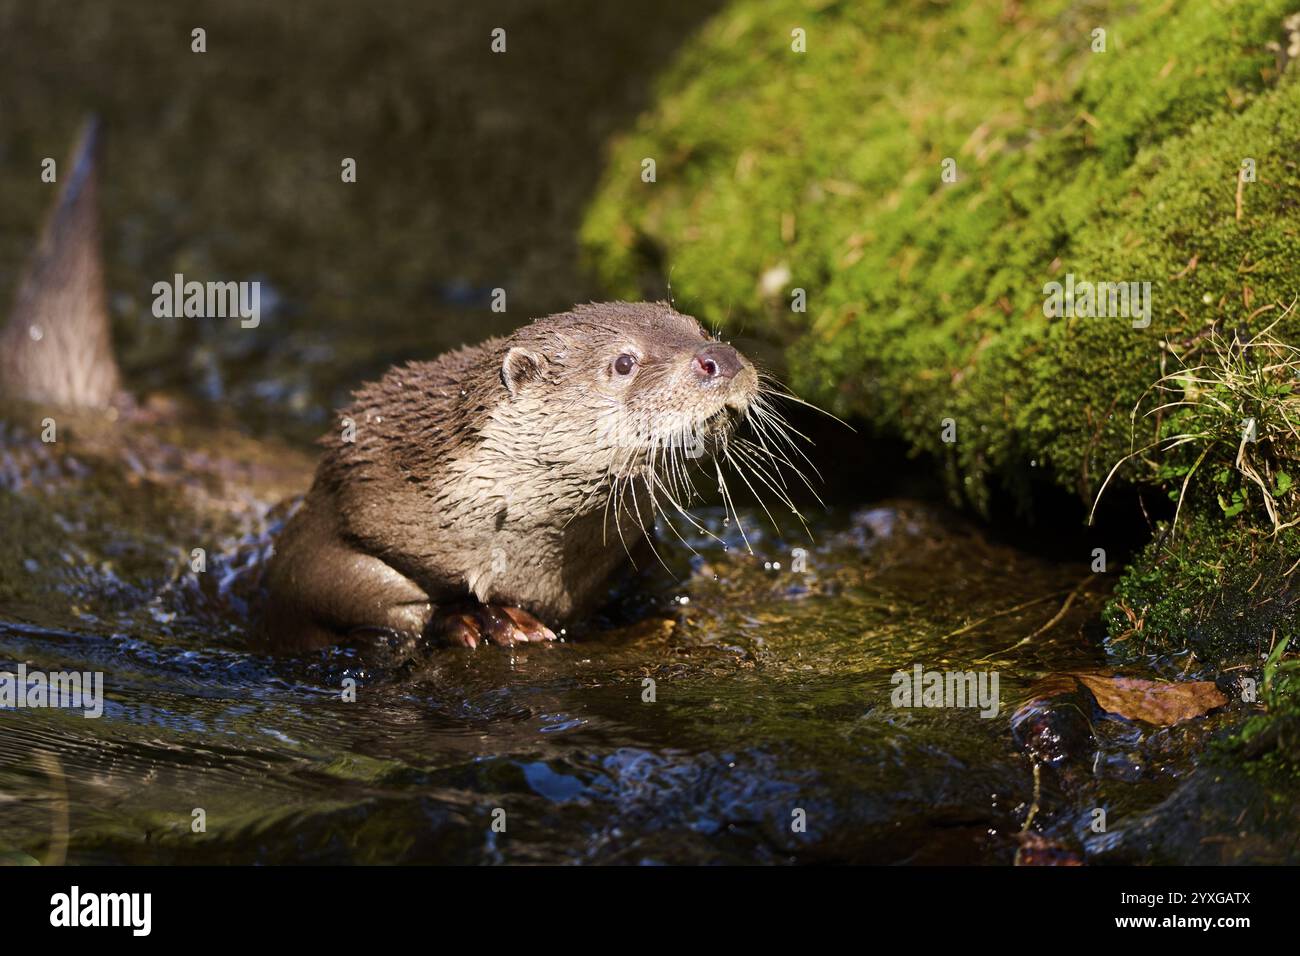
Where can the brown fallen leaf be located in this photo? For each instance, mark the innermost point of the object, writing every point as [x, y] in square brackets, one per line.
[1154, 702]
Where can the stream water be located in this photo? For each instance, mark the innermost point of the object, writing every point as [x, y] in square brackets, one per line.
[729, 707]
[771, 696]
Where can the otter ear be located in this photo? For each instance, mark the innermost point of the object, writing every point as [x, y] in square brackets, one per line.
[520, 367]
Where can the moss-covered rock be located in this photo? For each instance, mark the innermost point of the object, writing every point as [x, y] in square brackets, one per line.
[1169, 158]
[822, 171]
[1220, 594]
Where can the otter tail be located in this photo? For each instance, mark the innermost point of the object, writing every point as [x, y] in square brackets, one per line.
[57, 348]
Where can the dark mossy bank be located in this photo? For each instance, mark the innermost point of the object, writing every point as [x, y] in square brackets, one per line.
[922, 174]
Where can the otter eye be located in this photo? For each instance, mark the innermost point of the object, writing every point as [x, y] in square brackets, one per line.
[624, 364]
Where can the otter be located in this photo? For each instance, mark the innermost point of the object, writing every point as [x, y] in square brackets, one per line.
[471, 498]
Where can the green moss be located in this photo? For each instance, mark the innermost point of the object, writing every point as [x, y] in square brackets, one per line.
[1176, 227]
[820, 171]
[1225, 593]
[925, 297]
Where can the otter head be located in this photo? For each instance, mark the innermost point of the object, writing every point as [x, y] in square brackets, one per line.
[629, 387]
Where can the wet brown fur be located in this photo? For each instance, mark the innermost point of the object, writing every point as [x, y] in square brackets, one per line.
[487, 473]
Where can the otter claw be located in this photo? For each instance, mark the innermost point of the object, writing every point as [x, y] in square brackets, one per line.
[460, 630]
[505, 626]
[528, 626]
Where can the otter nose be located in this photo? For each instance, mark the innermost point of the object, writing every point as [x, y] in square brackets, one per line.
[717, 361]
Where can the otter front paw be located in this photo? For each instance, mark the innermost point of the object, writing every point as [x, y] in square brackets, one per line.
[472, 625]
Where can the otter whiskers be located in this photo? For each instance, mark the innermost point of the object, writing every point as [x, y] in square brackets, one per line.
[666, 476]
